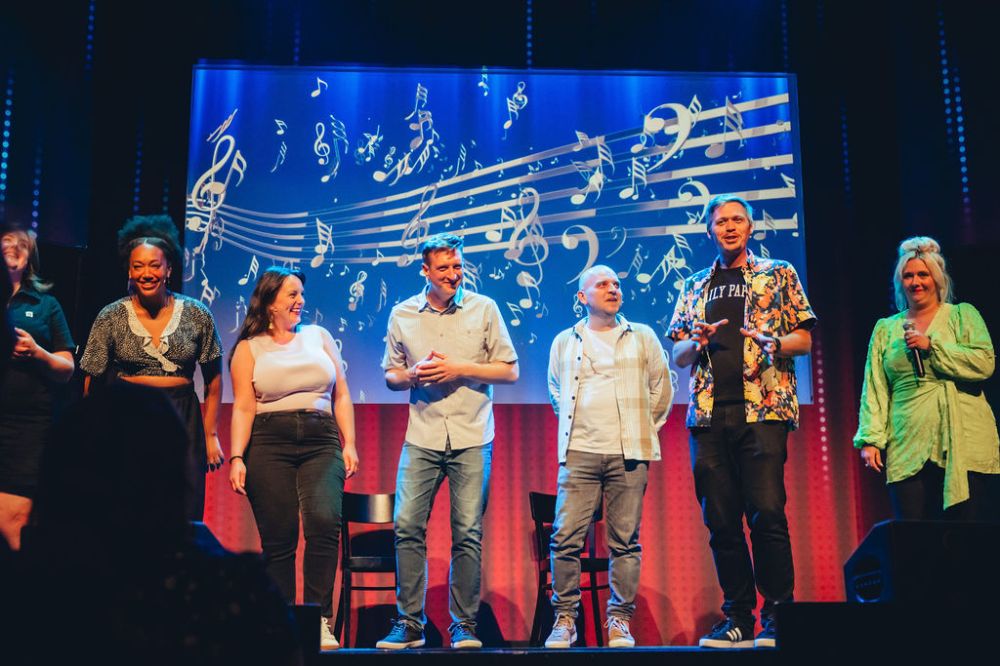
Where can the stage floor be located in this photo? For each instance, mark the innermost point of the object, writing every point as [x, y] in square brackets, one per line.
[638, 656]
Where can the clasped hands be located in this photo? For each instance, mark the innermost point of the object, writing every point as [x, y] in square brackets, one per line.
[436, 368]
[702, 332]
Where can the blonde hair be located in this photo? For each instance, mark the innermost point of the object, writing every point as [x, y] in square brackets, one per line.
[927, 250]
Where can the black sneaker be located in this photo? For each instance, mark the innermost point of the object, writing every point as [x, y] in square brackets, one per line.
[405, 634]
[463, 636]
[728, 634]
[767, 638]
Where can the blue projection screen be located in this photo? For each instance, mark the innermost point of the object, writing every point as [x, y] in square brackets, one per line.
[344, 171]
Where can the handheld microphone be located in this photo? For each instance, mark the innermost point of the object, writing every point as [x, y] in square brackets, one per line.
[918, 361]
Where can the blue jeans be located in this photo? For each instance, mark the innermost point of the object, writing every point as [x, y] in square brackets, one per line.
[582, 480]
[295, 463]
[739, 470]
[421, 472]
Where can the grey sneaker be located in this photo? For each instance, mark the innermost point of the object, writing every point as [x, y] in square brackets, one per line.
[619, 635]
[405, 634]
[563, 632]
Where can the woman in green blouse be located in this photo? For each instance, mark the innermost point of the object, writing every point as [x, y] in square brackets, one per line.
[935, 434]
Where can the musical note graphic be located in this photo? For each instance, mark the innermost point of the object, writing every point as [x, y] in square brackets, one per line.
[378, 257]
[221, 129]
[325, 244]
[281, 126]
[321, 147]
[419, 102]
[344, 271]
[636, 264]
[582, 140]
[515, 104]
[527, 280]
[318, 317]
[516, 314]
[321, 85]
[679, 129]
[208, 194]
[417, 228]
[571, 241]
[462, 154]
[338, 134]
[768, 224]
[529, 234]
[208, 292]
[241, 310]
[532, 338]
[357, 291]
[383, 295]
[251, 272]
[732, 121]
[282, 152]
[484, 83]
[343, 325]
[368, 145]
[615, 233]
[789, 182]
[638, 171]
[595, 183]
[424, 121]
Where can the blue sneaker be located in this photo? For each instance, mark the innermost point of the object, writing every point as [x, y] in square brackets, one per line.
[728, 634]
[405, 634]
[463, 636]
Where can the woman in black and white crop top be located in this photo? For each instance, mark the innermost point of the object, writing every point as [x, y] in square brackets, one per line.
[292, 434]
[156, 337]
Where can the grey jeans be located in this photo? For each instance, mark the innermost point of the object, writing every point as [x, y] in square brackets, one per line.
[583, 478]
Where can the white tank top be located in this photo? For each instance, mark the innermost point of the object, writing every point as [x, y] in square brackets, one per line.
[296, 375]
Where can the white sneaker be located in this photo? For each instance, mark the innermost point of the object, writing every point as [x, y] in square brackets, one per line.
[563, 632]
[619, 635]
[327, 641]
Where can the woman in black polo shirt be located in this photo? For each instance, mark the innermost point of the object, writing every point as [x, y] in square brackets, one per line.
[42, 359]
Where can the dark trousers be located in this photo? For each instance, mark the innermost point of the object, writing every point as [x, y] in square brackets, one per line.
[921, 497]
[295, 463]
[739, 470]
[186, 403]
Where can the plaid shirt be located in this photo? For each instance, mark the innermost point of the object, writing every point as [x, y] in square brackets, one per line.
[775, 305]
[643, 389]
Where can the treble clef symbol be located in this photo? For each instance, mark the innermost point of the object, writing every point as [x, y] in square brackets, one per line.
[321, 147]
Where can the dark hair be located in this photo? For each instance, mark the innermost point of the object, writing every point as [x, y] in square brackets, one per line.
[439, 242]
[264, 292]
[30, 274]
[156, 230]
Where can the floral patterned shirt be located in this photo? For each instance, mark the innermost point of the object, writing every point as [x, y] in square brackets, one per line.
[775, 305]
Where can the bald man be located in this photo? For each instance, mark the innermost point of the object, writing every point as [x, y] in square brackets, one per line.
[610, 387]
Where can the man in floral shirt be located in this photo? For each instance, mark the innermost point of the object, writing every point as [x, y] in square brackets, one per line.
[740, 322]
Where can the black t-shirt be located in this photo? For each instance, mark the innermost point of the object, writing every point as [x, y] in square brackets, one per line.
[25, 390]
[727, 300]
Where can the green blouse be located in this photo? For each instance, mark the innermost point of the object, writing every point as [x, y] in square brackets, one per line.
[942, 417]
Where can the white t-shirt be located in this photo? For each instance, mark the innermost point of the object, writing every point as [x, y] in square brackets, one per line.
[596, 421]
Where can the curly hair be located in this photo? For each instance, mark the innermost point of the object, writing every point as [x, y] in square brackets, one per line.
[929, 251]
[156, 230]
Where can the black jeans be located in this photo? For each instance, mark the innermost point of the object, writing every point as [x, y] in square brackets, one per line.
[295, 463]
[921, 497]
[739, 470]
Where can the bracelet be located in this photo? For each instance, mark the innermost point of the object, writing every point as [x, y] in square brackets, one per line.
[232, 458]
[777, 344]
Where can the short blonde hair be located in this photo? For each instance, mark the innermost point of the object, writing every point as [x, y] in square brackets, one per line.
[927, 250]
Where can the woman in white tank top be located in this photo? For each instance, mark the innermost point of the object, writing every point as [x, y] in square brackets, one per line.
[292, 435]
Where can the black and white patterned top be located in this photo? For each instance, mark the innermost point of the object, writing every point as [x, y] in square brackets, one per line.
[120, 344]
